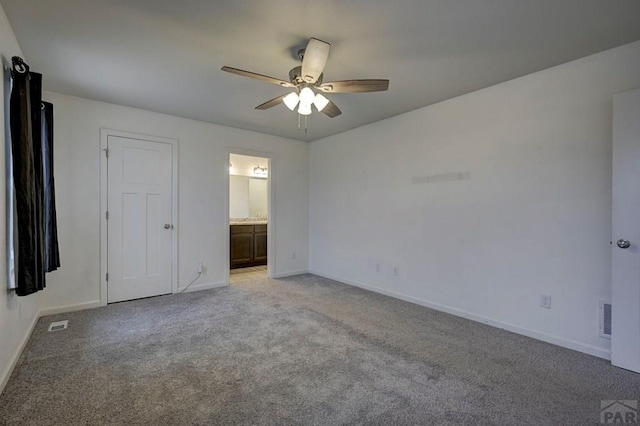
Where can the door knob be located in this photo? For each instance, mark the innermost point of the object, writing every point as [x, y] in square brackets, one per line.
[168, 226]
[623, 244]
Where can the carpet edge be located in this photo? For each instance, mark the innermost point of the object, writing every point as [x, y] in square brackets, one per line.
[548, 338]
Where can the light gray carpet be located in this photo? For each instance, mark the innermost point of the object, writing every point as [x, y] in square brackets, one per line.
[302, 350]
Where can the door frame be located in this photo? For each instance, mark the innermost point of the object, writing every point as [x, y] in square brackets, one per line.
[104, 135]
[271, 229]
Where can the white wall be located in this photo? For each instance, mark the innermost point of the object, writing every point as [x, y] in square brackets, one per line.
[530, 215]
[17, 314]
[243, 165]
[203, 170]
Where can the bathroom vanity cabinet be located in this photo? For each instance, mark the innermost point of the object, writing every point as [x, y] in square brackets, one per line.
[248, 245]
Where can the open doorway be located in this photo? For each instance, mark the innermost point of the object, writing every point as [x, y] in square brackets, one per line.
[248, 217]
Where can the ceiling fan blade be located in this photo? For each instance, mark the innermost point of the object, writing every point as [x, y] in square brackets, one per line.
[271, 103]
[314, 59]
[355, 86]
[257, 76]
[331, 110]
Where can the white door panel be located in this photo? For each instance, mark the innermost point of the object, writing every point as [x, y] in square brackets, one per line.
[625, 262]
[139, 203]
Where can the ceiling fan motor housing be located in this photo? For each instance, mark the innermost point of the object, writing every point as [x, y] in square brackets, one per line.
[295, 76]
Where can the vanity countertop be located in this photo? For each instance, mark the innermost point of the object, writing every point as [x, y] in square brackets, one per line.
[248, 222]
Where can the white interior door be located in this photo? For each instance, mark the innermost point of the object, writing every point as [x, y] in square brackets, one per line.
[139, 225]
[625, 302]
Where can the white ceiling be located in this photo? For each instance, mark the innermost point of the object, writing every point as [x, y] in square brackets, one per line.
[166, 56]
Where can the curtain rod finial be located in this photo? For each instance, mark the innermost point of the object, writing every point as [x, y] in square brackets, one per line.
[18, 64]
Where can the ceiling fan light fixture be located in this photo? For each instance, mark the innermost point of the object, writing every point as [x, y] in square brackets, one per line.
[307, 96]
[307, 82]
[304, 108]
[320, 101]
[291, 100]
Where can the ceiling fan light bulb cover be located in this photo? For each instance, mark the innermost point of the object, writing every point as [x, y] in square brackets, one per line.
[320, 102]
[307, 96]
[291, 100]
[304, 109]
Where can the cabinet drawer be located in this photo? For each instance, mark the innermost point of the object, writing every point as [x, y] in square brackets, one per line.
[241, 229]
[261, 228]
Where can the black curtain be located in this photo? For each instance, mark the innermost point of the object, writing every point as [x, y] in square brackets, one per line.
[32, 156]
[51, 253]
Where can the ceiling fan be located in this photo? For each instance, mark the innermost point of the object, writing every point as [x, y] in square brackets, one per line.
[307, 82]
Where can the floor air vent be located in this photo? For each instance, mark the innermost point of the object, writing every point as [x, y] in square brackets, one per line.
[58, 325]
[605, 319]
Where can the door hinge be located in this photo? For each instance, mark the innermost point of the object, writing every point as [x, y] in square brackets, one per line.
[106, 215]
[106, 152]
[107, 276]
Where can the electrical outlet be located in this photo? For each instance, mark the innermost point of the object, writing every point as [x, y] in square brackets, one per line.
[545, 301]
[396, 271]
[378, 268]
[199, 268]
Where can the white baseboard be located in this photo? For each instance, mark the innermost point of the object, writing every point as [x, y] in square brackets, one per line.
[290, 273]
[203, 286]
[69, 308]
[16, 354]
[555, 340]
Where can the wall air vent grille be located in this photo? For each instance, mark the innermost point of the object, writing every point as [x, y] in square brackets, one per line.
[605, 319]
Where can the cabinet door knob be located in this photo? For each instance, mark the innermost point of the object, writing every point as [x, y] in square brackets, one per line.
[168, 226]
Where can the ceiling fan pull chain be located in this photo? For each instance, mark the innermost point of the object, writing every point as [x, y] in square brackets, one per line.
[305, 124]
[298, 121]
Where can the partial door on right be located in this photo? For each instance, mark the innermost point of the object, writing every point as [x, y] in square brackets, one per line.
[625, 256]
